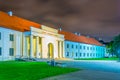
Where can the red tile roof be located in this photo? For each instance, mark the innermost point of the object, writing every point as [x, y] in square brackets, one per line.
[19, 24]
[75, 38]
[16, 23]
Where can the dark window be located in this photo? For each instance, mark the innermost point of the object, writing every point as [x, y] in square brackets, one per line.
[72, 46]
[67, 53]
[96, 48]
[0, 51]
[90, 54]
[80, 54]
[90, 48]
[0, 35]
[84, 47]
[87, 48]
[11, 37]
[87, 54]
[84, 54]
[67, 45]
[76, 46]
[11, 52]
[76, 54]
[80, 47]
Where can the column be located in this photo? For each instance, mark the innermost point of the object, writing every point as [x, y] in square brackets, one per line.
[60, 50]
[63, 49]
[31, 46]
[24, 47]
[37, 47]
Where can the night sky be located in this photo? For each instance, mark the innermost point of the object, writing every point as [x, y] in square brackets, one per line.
[96, 18]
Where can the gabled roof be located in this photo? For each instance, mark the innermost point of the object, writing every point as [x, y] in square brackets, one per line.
[16, 23]
[82, 39]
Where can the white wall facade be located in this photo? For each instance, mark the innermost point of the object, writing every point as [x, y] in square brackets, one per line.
[81, 50]
[31, 44]
[6, 44]
[40, 39]
[34, 44]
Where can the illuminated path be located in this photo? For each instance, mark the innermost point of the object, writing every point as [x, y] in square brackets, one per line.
[109, 66]
[92, 70]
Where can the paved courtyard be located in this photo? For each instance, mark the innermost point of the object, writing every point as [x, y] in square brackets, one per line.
[92, 70]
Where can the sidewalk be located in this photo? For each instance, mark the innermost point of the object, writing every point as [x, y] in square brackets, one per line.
[87, 75]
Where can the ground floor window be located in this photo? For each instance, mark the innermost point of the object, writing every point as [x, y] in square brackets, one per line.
[80, 54]
[11, 51]
[67, 53]
[76, 54]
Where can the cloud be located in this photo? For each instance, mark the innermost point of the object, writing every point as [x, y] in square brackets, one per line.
[99, 18]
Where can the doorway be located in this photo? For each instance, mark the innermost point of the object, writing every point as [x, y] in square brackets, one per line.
[50, 51]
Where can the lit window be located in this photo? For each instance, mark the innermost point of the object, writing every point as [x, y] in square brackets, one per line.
[11, 37]
[11, 51]
[0, 51]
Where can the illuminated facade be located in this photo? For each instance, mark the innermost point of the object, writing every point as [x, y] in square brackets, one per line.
[20, 38]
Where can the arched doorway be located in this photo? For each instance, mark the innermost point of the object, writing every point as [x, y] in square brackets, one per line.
[50, 50]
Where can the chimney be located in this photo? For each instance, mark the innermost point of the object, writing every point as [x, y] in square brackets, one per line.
[88, 36]
[60, 29]
[79, 34]
[10, 13]
[76, 33]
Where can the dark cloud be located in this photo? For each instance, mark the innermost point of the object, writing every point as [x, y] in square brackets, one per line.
[98, 18]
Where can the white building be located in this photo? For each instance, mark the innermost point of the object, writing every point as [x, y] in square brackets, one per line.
[79, 46]
[20, 38]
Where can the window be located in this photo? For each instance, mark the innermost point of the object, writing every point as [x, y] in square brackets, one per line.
[76, 46]
[84, 54]
[90, 48]
[87, 54]
[67, 45]
[11, 51]
[84, 47]
[87, 48]
[80, 47]
[11, 37]
[0, 51]
[67, 53]
[72, 46]
[80, 54]
[76, 54]
[0, 35]
[91, 54]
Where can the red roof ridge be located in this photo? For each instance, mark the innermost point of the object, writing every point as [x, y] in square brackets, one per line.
[82, 39]
[16, 23]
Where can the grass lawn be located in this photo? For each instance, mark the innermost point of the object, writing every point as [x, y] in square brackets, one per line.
[97, 59]
[14, 70]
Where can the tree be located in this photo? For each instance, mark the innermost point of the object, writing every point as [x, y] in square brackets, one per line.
[109, 47]
[116, 45]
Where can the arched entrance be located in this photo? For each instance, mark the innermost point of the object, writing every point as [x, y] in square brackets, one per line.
[50, 50]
